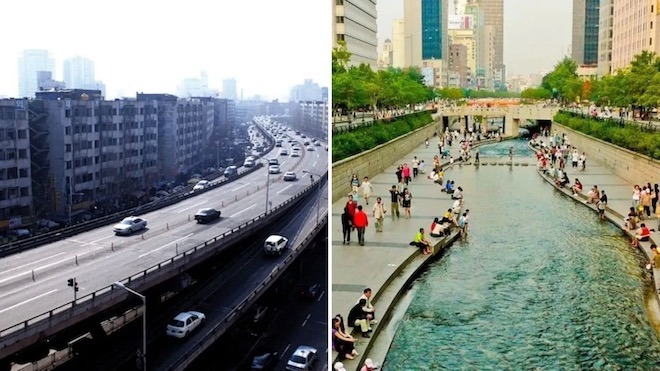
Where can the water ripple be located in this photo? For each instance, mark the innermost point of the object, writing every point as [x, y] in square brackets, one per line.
[541, 284]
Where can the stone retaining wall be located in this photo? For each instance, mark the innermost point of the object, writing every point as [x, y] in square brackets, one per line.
[629, 165]
[376, 160]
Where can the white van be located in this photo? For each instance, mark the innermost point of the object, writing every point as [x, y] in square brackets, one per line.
[274, 245]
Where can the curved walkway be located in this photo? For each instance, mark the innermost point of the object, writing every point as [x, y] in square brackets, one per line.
[387, 263]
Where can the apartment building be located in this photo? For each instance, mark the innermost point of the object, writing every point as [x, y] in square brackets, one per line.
[15, 167]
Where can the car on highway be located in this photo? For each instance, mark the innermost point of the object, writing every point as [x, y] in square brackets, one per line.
[184, 323]
[275, 244]
[273, 161]
[302, 358]
[290, 176]
[129, 225]
[318, 144]
[310, 148]
[230, 171]
[207, 215]
[284, 152]
[306, 143]
[202, 184]
[265, 361]
[295, 154]
[311, 292]
[248, 162]
[274, 169]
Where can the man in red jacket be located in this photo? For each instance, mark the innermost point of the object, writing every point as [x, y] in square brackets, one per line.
[360, 222]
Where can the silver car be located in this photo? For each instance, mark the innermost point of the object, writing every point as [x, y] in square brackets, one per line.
[129, 225]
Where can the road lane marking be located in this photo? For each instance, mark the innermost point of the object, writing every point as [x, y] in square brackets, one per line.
[306, 319]
[190, 207]
[237, 188]
[36, 261]
[314, 164]
[35, 269]
[284, 351]
[244, 210]
[27, 301]
[320, 296]
[95, 241]
[284, 189]
[164, 246]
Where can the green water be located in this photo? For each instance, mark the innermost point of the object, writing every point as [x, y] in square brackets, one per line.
[539, 284]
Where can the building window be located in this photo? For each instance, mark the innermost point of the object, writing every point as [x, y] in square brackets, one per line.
[67, 113]
[22, 153]
[67, 148]
[68, 165]
[25, 192]
[22, 134]
[23, 173]
[67, 130]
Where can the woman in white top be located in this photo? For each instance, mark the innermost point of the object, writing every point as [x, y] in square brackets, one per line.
[366, 189]
[636, 195]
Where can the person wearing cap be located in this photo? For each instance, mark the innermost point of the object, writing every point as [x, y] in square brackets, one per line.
[655, 262]
[369, 365]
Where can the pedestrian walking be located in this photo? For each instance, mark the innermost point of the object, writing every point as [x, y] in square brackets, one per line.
[379, 214]
[366, 189]
[355, 183]
[346, 224]
[426, 142]
[406, 202]
[415, 166]
[395, 198]
[360, 222]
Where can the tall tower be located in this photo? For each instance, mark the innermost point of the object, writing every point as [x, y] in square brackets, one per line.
[229, 89]
[585, 31]
[493, 11]
[605, 30]
[32, 62]
[354, 21]
[79, 72]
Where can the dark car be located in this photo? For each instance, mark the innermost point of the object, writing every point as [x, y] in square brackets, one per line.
[311, 292]
[265, 361]
[207, 215]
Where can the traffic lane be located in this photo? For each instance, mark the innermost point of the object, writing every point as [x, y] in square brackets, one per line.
[102, 273]
[300, 321]
[166, 228]
[239, 280]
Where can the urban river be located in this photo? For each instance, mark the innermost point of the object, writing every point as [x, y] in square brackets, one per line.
[540, 283]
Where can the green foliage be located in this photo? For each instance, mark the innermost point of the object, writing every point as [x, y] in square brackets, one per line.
[564, 81]
[536, 93]
[366, 137]
[629, 136]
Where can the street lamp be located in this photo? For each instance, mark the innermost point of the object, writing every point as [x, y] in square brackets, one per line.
[144, 321]
[318, 198]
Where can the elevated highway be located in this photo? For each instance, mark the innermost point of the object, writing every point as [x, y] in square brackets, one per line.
[36, 301]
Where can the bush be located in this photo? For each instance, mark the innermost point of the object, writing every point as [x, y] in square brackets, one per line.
[629, 136]
[366, 137]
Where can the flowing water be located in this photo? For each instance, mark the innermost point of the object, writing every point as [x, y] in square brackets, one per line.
[540, 283]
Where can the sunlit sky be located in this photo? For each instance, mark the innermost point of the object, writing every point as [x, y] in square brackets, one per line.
[537, 33]
[150, 46]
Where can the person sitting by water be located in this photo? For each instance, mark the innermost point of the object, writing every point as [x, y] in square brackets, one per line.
[435, 177]
[577, 187]
[449, 187]
[457, 206]
[439, 229]
[642, 234]
[421, 242]
[458, 194]
[447, 217]
[631, 219]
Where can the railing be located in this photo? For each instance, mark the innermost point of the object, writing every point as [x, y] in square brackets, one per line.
[32, 242]
[221, 327]
[41, 325]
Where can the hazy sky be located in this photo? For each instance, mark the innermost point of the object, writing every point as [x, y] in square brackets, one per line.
[150, 46]
[537, 33]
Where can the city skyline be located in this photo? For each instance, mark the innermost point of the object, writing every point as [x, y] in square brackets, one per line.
[526, 51]
[154, 54]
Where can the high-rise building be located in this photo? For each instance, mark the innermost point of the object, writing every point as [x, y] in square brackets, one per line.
[15, 167]
[585, 31]
[634, 30]
[398, 44]
[457, 66]
[309, 91]
[426, 37]
[78, 72]
[32, 62]
[493, 11]
[477, 14]
[354, 21]
[196, 87]
[386, 55]
[466, 37]
[605, 29]
[229, 89]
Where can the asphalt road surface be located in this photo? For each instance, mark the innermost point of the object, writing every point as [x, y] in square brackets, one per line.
[35, 281]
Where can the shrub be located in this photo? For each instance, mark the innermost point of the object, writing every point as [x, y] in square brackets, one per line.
[366, 137]
[627, 135]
